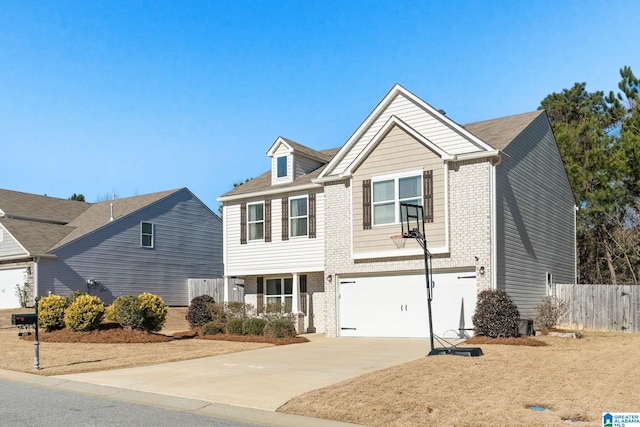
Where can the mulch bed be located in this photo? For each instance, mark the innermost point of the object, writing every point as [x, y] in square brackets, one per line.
[113, 333]
[526, 341]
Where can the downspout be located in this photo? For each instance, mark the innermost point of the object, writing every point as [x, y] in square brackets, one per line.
[494, 224]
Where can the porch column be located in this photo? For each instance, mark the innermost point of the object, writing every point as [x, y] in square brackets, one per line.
[226, 289]
[295, 303]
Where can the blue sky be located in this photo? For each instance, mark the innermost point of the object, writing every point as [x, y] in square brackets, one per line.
[135, 97]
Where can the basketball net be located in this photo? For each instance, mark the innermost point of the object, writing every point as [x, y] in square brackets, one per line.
[399, 240]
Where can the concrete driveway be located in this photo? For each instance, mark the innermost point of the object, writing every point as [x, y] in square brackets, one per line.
[265, 378]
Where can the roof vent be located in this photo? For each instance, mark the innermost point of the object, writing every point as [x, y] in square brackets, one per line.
[444, 113]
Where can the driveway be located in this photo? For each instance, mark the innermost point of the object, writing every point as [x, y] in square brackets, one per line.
[265, 378]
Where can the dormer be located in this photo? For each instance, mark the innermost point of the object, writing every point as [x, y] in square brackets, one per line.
[290, 161]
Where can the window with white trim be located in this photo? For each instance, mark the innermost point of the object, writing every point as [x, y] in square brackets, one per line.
[281, 166]
[389, 192]
[298, 217]
[255, 221]
[280, 291]
[146, 234]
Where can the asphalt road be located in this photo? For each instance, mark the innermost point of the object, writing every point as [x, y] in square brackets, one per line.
[33, 406]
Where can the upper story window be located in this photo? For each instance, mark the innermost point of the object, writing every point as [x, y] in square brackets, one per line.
[255, 221]
[298, 217]
[389, 192]
[281, 166]
[146, 234]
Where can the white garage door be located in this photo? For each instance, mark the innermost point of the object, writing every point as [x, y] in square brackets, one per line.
[8, 281]
[396, 306]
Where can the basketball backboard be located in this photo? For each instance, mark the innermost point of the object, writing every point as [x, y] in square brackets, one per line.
[412, 220]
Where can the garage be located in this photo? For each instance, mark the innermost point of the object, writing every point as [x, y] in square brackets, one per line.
[9, 278]
[396, 306]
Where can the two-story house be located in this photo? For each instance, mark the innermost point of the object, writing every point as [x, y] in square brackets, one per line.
[314, 231]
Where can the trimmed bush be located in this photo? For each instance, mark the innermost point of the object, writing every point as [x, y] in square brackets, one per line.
[71, 298]
[280, 328]
[200, 311]
[496, 315]
[213, 328]
[550, 311]
[51, 312]
[154, 311]
[239, 310]
[85, 314]
[110, 313]
[234, 326]
[275, 311]
[127, 312]
[254, 326]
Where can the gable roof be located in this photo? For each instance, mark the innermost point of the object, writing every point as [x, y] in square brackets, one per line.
[500, 132]
[298, 149]
[452, 138]
[35, 221]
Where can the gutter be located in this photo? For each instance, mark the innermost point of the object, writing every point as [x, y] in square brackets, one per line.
[268, 192]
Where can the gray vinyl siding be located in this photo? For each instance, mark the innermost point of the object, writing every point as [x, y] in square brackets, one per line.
[8, 245]
[187, 243]
[303, 165]
[535, 217]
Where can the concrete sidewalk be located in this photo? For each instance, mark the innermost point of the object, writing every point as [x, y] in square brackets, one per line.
[266, 378]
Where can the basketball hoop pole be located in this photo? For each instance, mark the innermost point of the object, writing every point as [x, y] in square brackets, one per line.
[422, 241]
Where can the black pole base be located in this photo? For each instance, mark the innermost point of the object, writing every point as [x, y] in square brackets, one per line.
[457, 351]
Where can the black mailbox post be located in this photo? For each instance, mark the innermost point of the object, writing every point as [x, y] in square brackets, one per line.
[26, 321]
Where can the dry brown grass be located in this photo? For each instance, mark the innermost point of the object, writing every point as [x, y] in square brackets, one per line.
[109, 348]
[574, 379]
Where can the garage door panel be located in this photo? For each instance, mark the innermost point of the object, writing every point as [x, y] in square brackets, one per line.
[9, 278]
[396, 306]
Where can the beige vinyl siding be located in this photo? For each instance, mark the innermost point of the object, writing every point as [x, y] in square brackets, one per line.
[442, 135]
[298, 254]
[535, 217]
[395, 153]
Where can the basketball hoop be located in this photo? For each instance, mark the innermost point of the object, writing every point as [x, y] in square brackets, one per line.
[399, 240]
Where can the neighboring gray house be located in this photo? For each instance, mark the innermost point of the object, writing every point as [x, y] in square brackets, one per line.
[314, 231]
[149, 243]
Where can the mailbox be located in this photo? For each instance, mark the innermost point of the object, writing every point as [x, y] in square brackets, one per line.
[24, 319]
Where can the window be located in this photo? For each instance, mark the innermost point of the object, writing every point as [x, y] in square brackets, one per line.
[281, 163]
[146, 234]
[255, 221]
[298, 217]
[389, 193]
[280, 291]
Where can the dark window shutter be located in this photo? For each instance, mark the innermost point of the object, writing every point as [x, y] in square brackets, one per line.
[366, 204]
[243, 223]
[267, 220]
[285, 218]
[312, 216]
[260, 294]
[428, 196]
[303, 293]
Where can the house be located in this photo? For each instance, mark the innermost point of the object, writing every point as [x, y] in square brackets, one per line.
[149, 243]
[314, 231]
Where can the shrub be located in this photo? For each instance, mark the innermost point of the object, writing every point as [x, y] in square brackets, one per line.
[23, 292]
[154, 311]
[496, 315]
[126, 311]
[213, 328]
[254, 326]
[275, 311]
[280, 328]
[234, 326]
[200, 311]
[51, 312]
[239, 310]
[85, 314]
[71, 298]
[550, 311]
[110, 313]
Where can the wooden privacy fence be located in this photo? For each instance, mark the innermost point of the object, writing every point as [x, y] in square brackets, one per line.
[215, 288]
[601, 307]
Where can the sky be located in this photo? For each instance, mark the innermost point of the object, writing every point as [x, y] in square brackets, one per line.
[133, 97]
